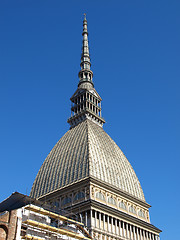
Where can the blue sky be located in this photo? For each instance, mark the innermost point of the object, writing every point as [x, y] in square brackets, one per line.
[135, 55]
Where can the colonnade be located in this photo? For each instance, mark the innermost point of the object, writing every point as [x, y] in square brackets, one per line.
[111, 228]
[86, 100]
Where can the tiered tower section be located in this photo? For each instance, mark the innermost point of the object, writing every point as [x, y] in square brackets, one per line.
[85, 102]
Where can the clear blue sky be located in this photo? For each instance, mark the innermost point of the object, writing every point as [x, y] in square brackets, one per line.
[135, 53]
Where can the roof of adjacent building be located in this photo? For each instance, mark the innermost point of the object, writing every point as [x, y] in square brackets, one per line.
[86, 151]
[18, 200]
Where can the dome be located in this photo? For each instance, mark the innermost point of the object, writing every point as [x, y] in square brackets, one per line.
[86, 150]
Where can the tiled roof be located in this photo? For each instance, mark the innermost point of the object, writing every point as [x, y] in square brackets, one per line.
[86, 150]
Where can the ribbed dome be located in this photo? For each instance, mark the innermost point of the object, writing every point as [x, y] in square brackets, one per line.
[86, 150]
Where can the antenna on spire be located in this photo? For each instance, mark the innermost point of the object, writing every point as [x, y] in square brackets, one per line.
[85, 20]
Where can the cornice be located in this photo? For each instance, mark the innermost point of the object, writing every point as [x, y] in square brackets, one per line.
[89, 180]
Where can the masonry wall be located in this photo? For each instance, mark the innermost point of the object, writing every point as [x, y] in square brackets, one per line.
[8, 222]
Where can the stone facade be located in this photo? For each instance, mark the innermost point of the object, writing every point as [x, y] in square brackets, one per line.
[105, 219]
[8, 222]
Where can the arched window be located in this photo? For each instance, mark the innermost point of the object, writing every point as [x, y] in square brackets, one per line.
[79, 196]
[66, 200]
[100, 196]
[122, 205]
[111, 201]
[3, 232]
[131, 209]
[141, 214]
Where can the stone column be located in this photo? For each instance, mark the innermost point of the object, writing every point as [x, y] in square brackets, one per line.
[90, 220]
[137, 233]
[107, 223]
[86, 218]
[150, 234]
[147, 238]
[111, 224]
[99, 220]
[130, 227]
[60, 202]
[140, 233]
[134, 233]
[123, 229]
[103, 221]
[85, 189]
[116, 230]
[127, 230]
[143, 233]
[80, 217]
[120, 229]
[95, 219]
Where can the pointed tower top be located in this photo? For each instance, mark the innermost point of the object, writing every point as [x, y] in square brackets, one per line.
[85, 74]
[85, 20]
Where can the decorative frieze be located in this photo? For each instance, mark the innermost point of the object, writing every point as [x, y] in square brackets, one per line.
[117, 201]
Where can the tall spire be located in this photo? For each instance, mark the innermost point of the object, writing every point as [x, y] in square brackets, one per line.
[85, 74]
[85, 102]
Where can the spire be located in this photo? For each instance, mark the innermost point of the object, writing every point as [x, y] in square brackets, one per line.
[85, 74]
[85, 102]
